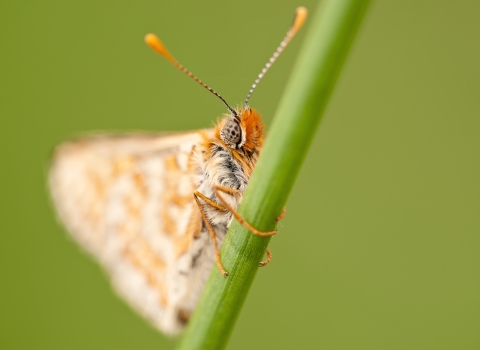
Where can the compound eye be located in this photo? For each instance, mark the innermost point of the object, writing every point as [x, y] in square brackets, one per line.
[231, 134]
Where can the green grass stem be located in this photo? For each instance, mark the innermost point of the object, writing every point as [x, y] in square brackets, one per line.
[330, 34]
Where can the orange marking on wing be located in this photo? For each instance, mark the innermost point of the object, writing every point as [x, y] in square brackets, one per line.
[129, 229]
[193, 231]
[122, 165]
[133, 209]
[162, 298]
[93, 214]
[171, 197]
[172, 171]
[192, 164]
[149, 254]
[171, 163]
[137, 261]
[182, 245]
[168, 223]
[179, 200]
[98, 184]
[94, 208]
[206, 143]
[140, 184]
[135, 242]
[196, 223]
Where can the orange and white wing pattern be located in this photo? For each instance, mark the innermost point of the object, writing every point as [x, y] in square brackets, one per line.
[128, 200]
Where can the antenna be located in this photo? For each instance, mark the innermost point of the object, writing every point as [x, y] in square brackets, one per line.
[300, 17]
[154, 42]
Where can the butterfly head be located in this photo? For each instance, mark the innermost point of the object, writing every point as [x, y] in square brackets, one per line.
[242, 130]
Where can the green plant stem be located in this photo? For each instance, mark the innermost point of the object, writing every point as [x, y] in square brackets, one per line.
[326, 45]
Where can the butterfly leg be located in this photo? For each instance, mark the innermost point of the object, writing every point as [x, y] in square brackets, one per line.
[210, 229]
[231, 191]
[269, 253]
[267, 260]
[282, 214]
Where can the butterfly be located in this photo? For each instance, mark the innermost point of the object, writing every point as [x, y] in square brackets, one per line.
[154, 209]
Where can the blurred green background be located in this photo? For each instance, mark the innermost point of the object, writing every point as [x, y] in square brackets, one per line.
[380, 247]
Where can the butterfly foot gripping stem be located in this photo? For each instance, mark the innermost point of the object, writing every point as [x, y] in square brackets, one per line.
[268, 252]
[269, 258]
[282, 214]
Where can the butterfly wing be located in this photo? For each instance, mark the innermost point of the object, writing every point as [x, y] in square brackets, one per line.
[128, 200]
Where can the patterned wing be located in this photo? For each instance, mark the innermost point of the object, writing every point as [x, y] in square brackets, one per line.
[128, 200]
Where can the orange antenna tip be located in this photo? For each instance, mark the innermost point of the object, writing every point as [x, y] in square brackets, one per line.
[156, 44]
[300, 17]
